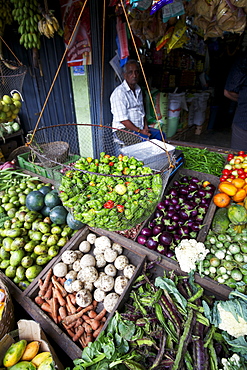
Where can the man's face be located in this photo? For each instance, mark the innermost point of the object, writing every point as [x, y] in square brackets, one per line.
[132, 74]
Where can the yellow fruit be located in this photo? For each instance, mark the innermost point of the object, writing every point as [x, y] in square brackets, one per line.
[9, 114]
[5, 108]
[14, 353]
[31, 350]
[40, 357]
[16, 96]
[7, 99]
[17, 103]
[15, 111]
[3, 116]
[46, 364]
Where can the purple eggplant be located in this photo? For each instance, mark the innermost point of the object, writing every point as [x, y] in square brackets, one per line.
[151, 243]
[162, 249]
[141, 239]
[169, 253]
[147, 231]
[157, 229]
[165, 238]
[161, 205]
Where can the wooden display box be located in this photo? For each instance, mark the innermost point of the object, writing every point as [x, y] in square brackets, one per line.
[57, 332]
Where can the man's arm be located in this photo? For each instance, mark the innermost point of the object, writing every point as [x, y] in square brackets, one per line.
[231, 95]
[129, 125]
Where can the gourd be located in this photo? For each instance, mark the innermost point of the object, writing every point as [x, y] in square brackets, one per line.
[220, 221]
[237, 214]
[227, 188]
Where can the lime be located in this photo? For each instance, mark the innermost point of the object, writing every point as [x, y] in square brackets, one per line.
[17, 103]
[3, 116]
[5, 108]
[16, 96]
[7, 99]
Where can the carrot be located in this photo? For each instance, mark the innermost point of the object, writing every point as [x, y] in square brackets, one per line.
[48, 293]
[72, 298]
[95, 303]
[89, 338]
[76, 316]
[61, 280]
[80, 330]
[58, 286]
[46, 307]
[100, 315]
[46, 282]
[82, 340]
[92, 314]
[78, 322]
[97, 331]
[54, 309]
[70, 307]
[62, 312]
[39, 300]
[60, 298]
[92, 322]
[70, 332]
[87, 327]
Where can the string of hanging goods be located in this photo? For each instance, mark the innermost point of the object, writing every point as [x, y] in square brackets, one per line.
[56, 74]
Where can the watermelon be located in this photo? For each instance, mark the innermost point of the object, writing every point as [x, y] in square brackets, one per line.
[58, 215]
[45, 189]
[72, 223]
[52, 199]
[35, 200]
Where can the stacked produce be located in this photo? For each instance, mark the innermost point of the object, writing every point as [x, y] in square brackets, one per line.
[113, 193]
[179, 215]
[84, 286]
[24, 355]
[34, 226]
[170, 323]
[9, 109]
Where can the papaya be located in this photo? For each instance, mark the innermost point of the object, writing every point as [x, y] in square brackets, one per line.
[31, 350]
[40, 357]
[14, 353]
[46, 364]
[23, 365]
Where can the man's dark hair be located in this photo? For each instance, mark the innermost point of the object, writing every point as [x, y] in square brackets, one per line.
[130, 61]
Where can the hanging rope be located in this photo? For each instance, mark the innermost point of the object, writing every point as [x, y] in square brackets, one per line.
[11, 53]
[102, 64]
[55, 77]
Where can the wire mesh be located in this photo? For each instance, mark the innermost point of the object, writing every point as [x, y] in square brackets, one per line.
[12, 76]
[107, 187]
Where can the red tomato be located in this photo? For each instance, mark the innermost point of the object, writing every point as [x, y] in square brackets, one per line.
[231, 177]
[222, 178]
[230, 156]
[226, 172]
[242, 176]
[241, 152]
[240, 171]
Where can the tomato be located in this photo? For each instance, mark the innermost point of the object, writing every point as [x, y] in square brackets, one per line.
[243, 176]
[232, 176]
[240, 171]
[241, 152]
[226, 172]
[223, 178]
[229, 157]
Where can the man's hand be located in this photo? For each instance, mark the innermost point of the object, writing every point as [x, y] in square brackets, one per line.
[145, 131]
[231, 95]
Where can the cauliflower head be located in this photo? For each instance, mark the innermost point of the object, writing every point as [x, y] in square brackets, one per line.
[228, 323]
[189, 252]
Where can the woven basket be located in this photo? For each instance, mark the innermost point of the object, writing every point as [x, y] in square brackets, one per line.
[8, 321]
[51, 154]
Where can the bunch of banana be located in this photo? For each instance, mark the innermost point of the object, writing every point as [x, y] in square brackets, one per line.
[48, 25]
[27, 14]
[5, 15]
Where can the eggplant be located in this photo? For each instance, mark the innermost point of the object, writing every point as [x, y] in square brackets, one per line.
[162, 249]
[161, 205]
[157, 229]
[141, 239]
[166, 238]
[169, 253]
[147, 231]
[151, 243]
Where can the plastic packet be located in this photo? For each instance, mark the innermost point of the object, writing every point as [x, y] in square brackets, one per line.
[158, 4]
[178, 32]
[172, 10]
[164, 40]
[141, 4]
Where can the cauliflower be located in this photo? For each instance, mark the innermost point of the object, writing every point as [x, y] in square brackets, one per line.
[235, 327]
[189, 252]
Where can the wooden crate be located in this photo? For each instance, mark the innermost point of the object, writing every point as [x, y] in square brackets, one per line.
[57, 332]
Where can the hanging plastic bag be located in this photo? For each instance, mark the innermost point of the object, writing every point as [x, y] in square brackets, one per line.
[164, 40]
[158, 4]
[174, 9]
[178, 32]
[122, 37]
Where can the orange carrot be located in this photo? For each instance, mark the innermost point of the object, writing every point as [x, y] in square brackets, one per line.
[100, 315]
[89, 338]
[80, 330]
[46, 307]
[62, 312]
[87, 327]
[39, 300]
[92, 322]
[58, 286]
[76, 316]
[54, 309]
[78, 322]
[96, 332]
[92, 314]
[70, 307]
[46, 282]
[95, 303]
[72, 298]
[82, 340]
[60, 298]
[48, 293]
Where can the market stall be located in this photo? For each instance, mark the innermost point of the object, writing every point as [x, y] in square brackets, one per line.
[127, 260]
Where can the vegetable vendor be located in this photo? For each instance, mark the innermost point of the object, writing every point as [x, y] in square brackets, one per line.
[128, 109]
